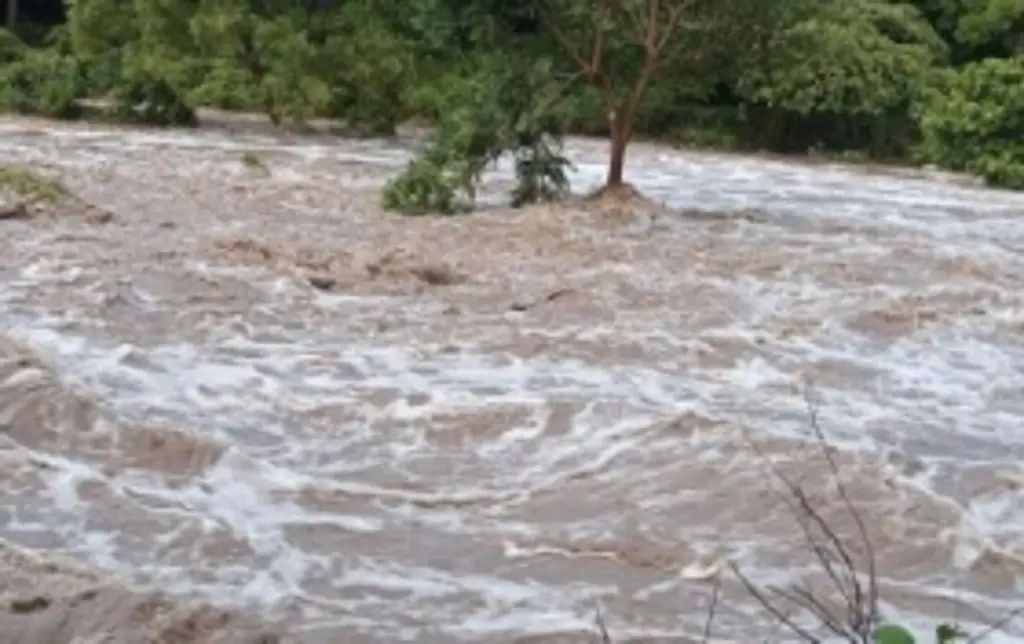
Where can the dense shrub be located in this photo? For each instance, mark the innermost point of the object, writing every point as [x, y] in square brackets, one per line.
[856, 78]
[42, 82]
[11, 48]
[494, 112]
[975, 121]
[842, 79]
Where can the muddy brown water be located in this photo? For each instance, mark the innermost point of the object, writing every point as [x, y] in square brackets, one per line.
[248, 387]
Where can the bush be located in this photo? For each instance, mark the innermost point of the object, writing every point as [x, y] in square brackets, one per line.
[43, 82]
[11, 48]
[974, 122]
[423, 188]
[149, 88]
[844, 79]
[498, 110]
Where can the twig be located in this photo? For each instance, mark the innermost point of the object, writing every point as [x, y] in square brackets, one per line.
[802, 598]
[995, 626]
[709, 622]
[806, 515]
[675, 18]
[602, 628]
[865, 629]
[783, 618]
[831, 552]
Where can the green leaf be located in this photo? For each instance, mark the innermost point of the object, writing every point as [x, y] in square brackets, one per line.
[893, 634]
[948, 633]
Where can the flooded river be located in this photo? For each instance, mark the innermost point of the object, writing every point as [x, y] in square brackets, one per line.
[252, 387]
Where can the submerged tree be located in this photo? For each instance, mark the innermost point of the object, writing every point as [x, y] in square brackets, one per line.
[619, 48]
[616, 48]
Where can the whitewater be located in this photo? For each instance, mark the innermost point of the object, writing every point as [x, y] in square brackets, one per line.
[251, 387]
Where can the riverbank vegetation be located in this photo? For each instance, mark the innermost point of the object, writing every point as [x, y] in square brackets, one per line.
[911, 81]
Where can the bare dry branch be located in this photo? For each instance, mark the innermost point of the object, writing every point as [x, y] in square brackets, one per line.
[807, 515]
[863, 629]
[995, 626]
[802, 598]
[602, 628]
[709, 622]
[767, 605]
[830, 551]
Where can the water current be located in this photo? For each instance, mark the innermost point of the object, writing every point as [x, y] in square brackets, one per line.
[253, 387]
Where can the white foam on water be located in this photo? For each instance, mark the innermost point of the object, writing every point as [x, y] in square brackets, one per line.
[383, 479]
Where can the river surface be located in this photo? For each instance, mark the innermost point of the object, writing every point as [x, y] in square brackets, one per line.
[253, 387]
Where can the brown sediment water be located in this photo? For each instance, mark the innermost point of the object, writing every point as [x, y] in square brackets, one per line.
[46, 600]
[246, 386]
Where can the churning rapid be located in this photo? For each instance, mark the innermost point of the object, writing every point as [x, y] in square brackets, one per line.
[250, 387]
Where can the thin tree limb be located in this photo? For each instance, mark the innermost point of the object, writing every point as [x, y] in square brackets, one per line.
[830, 551]
[805, 514]
[602, 628]
[592, 68]
[709, 622]
[804, 599]
[675, 18]
[995, 626]
[563, 40]
[782, 618]
[635, 20]
[597, 51]
[819, 435]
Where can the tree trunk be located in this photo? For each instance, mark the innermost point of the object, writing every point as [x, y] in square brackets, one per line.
[618, 130]
[12, 14]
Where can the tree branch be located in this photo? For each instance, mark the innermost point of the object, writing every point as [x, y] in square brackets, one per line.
[675, 18]
[592, 68]
[563, 40]
[783, 618]
[806, 515]
[597, 51]
[635, 21]
[872, 599]
[829, 549]
[709, 622]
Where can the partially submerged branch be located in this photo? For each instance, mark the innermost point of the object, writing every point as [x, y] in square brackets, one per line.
[857, 620]
[859, 617]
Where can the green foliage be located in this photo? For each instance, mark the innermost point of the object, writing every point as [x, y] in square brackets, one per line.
[257, 60]
[893, 634]
[30, 184]
[11, 47]
[856, 78]
[949, 633]
[424, 187]
[367, 66]
[540, 171]
[992, 20]
[503, 108]
[44, 83]
[890, 633]
[863, 61]
[134, 53]
[974, 121]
